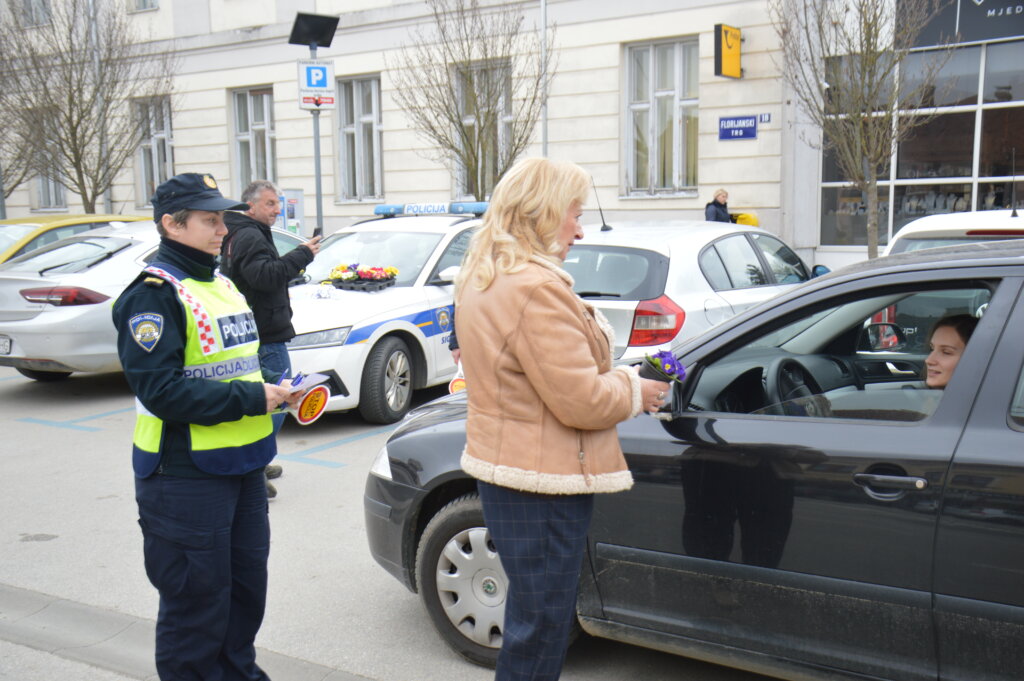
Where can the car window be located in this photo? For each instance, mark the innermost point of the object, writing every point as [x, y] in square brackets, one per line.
[284, 242]
[72, 255]
[454, 252]
[407, 251]
[714, 270]
[616, 272]
[916, 244]
[785, 265]
[9, 234]
[818, 364]
[741, 262]
[56, 234]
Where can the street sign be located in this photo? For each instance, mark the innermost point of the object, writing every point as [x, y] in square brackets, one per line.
[316, 84]
[737, 128]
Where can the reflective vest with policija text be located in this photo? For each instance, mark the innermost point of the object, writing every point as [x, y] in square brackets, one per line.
[221, 344]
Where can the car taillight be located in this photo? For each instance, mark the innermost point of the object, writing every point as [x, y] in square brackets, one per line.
[656, 321]
[63, 295]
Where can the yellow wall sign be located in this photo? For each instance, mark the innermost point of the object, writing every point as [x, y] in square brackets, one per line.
[727, 51]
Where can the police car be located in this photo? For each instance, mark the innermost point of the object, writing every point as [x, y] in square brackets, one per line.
[377, 341]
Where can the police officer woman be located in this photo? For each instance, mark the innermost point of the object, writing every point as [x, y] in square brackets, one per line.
[188, 344]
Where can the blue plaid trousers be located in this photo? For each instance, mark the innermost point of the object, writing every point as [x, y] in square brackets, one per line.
[541, 539]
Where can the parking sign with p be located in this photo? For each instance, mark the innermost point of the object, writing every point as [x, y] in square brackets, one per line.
[316, 84]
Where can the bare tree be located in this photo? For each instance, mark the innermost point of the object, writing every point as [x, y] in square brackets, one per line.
[14, 147]
[473, 85]
[841, 59]
[74, 74]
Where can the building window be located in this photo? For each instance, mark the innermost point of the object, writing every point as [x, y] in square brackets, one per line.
[36, 12]
[155, 158]
[359, 133]
[256, 156]
[146, 4]
[960, 160]
[50, 193]
[661, 117]
[485, 109]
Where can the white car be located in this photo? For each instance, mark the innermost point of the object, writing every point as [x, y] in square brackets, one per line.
[377, 346]
[55, 301]
[949, 229]
[661, 282]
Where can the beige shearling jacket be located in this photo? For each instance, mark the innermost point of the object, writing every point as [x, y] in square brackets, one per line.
[543, 396]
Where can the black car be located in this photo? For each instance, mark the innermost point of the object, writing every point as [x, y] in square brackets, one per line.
[805, 508]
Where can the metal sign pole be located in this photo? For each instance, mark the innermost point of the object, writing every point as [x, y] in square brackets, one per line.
[319, 230]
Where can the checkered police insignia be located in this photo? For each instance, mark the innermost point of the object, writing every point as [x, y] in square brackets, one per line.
[146, 329]
[207, 337]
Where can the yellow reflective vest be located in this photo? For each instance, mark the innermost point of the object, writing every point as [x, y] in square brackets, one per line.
[221, 345]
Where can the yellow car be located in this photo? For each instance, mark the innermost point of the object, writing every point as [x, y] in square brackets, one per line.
[21, 235]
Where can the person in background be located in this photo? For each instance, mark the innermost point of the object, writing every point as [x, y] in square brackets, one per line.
[250, 259]
[203, 434]
[543, 402]
[947, 342]
[717, 210]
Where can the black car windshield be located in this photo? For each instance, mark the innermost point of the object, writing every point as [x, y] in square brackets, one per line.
[616, 272]
[68, 255]
[408, 251]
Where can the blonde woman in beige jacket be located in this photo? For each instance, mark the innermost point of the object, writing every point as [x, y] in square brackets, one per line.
[543, 402]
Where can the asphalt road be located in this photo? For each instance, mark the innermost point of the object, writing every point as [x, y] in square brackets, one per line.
[75, 602]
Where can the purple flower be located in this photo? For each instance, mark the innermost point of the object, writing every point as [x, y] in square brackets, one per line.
[665, 362]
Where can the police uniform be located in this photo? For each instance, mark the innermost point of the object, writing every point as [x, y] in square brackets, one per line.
[188, 345]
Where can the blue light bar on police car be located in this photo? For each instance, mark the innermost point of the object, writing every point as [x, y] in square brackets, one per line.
[455, 208]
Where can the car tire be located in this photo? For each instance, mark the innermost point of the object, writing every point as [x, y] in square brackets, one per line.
[386, 392]
[461, 581]
[44, 376]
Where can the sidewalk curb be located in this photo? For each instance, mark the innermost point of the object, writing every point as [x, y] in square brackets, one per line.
[114, 641]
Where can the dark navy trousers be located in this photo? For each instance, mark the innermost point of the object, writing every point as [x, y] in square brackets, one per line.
[206, 543]
[540, 539]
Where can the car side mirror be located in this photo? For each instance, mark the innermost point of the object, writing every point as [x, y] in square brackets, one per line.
[445, 276]
[819, 270]
[881, 337]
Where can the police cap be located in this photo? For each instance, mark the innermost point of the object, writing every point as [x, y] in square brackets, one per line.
[193, 191]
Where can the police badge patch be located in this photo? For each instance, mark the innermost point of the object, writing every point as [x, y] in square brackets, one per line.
[146, 329]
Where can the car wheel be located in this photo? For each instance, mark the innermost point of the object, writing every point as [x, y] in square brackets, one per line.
[44, 376]
[386, 392]
[461, 581]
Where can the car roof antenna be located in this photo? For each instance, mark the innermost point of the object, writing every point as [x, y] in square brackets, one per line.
[605, 227]
[1013, 180]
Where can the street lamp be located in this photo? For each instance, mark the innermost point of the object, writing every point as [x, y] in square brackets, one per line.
[315, 30]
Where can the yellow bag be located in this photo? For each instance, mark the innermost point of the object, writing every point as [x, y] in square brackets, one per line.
[745, 218]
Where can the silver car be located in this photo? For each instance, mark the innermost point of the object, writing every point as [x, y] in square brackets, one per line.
[663, 282]
[55, 301]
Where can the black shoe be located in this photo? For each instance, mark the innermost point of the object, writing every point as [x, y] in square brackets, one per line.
[271, 490]
[273, 471]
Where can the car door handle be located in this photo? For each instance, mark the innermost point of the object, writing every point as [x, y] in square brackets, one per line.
[899, 372]
[891, 481]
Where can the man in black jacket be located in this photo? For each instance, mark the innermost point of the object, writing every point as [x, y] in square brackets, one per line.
[250, 259]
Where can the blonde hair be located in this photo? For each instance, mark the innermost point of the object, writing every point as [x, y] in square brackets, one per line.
[719, 192]
[523, 219]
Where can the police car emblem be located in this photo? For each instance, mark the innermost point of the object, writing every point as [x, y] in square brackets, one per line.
[146, 329]
[444, 320]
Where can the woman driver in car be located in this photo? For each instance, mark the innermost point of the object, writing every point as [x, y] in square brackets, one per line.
[947, 341]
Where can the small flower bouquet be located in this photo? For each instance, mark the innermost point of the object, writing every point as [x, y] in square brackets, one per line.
[662, 366]
[358, 277]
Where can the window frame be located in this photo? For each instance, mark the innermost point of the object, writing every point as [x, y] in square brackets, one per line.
[685, 161]
[150, 170]
[503, 119]
[368, 183]
[260, 98]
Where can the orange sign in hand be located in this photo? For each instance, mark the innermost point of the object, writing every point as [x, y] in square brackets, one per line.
[312, 405]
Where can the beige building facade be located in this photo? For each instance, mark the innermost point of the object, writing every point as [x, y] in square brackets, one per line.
[634, 99]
